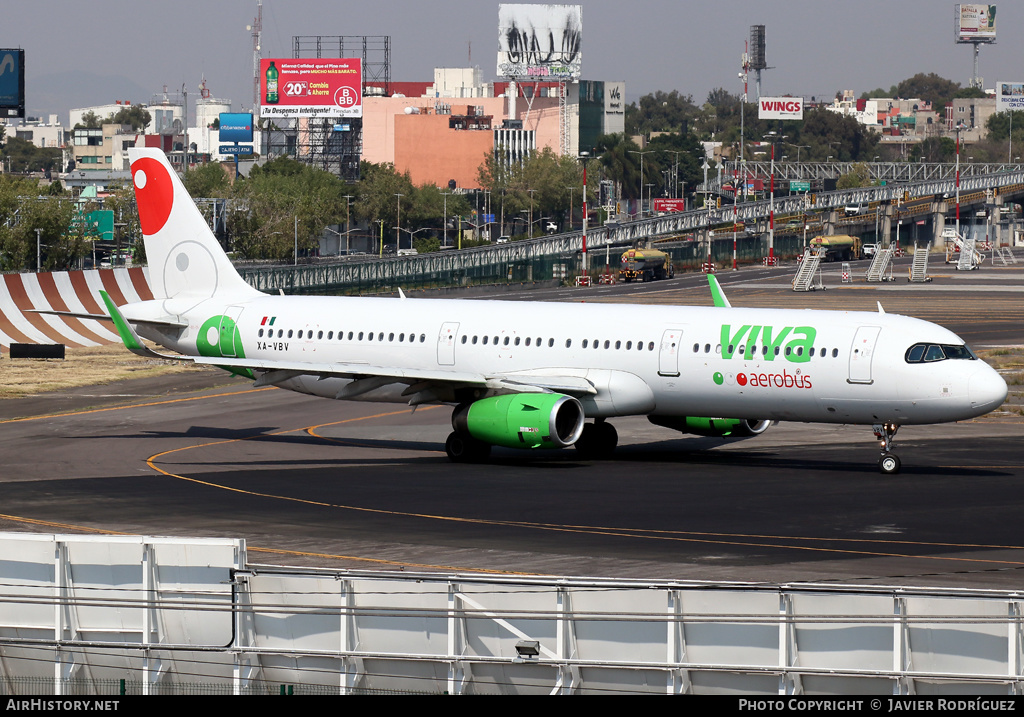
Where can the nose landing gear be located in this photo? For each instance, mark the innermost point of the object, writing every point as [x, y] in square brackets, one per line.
[888, 462]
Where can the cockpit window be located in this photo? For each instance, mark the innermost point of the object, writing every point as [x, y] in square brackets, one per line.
[928, 353]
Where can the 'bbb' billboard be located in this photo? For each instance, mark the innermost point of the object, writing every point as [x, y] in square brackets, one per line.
[1009, 96]
[311, 88]
[12, 83]
[236, 127]
[780, 108]
[540, 41]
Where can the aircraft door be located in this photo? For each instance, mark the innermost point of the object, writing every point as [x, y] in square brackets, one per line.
[861, 354]
[446, 343]
[230, 336]
[668, 355]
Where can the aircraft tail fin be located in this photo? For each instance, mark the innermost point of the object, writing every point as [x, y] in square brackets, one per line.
[185, 259]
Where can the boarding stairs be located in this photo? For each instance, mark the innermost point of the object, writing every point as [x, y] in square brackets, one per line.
[809, 265]
[970, 257]
[880, 268]
[919, 268]
[1004, 255]
[962, 250]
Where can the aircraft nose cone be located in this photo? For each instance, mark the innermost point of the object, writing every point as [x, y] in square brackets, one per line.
[987, 390]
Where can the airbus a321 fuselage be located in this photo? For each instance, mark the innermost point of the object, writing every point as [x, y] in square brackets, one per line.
[530, 374]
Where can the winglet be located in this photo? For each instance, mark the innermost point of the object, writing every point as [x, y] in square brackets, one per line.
[717, 295]
[131, 340]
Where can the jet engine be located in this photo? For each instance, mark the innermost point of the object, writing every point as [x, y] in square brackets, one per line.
[522, 420]
[713, 427]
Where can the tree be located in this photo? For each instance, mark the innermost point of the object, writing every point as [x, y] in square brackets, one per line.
[661, 112]
[273, 198]
[859, 176]
[135, 115]
[90, 120]
[207, 180]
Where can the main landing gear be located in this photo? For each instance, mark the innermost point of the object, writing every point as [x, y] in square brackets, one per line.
[888, 462]
[598, 440]
[462, 448]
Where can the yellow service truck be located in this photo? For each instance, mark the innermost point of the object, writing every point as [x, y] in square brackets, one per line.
[645, 265]
[839, 247]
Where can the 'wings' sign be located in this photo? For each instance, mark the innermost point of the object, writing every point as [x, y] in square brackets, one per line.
[780, 108]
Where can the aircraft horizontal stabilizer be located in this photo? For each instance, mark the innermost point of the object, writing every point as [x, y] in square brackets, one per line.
[132, 341]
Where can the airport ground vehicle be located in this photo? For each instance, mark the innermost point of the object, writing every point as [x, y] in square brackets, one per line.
[645, 265]
[839, 247]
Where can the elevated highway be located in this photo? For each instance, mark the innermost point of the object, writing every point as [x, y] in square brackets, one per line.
[924, 196]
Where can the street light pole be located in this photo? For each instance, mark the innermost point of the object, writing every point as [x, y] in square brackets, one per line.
[398, 236]
[39, 252]
[348, 223]
[631, 151]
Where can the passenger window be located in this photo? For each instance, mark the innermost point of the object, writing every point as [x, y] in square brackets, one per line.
[505, 342]
[474, 340]
[618, 345]
[423, 337]
[260, 334]
[835, 353]
[289, 333]
[650, 346]
[707, 348]
[360, 335]
[607, 343]
[463, 338]
[485, 340]
[551, 342]
[629, 345]
[527, 340]
[517, 340]
[568, 342]
[585, 343]
[319, 334]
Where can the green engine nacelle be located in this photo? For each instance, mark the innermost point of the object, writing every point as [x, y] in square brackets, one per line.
[522, 420]
[712, 427]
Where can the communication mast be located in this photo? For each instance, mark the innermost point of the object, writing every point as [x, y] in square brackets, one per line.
[757, 61]
[975, 24]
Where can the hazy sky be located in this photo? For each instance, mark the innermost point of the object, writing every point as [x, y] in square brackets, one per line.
[82, 53]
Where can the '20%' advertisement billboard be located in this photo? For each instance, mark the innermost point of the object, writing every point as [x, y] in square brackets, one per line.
[311, 88]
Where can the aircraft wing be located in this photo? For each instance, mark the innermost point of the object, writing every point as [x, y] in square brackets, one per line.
[272, 371]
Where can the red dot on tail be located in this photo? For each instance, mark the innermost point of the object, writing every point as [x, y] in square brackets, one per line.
[154, 194]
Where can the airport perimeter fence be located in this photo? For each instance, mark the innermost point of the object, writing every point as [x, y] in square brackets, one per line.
[496, 266]
[109, 615]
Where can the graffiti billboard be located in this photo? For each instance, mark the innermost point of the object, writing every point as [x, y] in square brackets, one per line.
[540, 42]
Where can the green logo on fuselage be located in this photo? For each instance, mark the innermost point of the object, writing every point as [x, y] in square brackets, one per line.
[773, 343]
[219, 337]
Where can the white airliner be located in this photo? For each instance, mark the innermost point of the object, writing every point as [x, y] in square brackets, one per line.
[530, 374]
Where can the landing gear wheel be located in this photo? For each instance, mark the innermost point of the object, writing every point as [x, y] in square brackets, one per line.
[889, 464]
[465, 449]
[598, 440]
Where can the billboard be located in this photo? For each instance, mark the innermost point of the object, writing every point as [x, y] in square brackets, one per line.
[540, 42]
[12, 83]
[669, 205]
[311, 88]
[235, 127]
[973, 22]
[1009, 96]
[780, 108]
